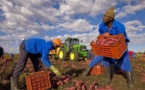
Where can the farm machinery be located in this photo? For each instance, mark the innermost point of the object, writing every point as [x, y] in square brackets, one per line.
[72, 49]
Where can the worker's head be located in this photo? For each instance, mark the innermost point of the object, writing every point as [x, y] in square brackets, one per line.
[56, 42]
[109, 15]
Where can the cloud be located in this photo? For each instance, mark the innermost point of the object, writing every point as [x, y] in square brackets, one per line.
[80, 25]
[85, 37]
[134, 26]
[28, 18]
[88, 7]
[135, 31]
[130, 9]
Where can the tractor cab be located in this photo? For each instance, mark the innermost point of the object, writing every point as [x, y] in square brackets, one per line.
[69, 42]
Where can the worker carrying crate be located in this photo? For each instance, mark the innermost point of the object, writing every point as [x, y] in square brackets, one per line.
[114, 46]
[111, 52]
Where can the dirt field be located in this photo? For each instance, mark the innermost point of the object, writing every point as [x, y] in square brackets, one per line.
[76, 68]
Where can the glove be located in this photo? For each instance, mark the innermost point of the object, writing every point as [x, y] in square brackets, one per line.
[106, 35]
[56, 71]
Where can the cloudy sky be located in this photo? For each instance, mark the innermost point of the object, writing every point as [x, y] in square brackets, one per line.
[48, 19]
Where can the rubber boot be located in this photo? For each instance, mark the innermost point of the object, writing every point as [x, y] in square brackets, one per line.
[112, 70]
[14, 83]
[107, 75]
[130, 81]
[87, 71]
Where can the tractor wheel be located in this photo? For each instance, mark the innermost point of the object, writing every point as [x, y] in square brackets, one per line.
[73, 55]
[62, 55]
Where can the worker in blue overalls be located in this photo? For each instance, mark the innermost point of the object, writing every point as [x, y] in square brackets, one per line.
[38, 51]
[110, 26]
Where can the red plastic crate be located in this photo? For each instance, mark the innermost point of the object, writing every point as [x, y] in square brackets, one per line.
[38, 81]
[114, 51]
[97, 69]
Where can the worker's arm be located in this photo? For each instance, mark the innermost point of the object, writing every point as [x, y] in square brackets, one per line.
[55, 70]
[48, 64]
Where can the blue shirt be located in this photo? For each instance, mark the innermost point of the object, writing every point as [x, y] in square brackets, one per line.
[116, 28]
[39, 46]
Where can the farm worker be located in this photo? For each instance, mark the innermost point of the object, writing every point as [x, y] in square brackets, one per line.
[131, 54]
[110, 26]
[35, 49]
[1, 53]
[12, 56]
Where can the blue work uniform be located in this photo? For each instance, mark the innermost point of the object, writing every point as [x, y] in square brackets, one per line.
[99, 59]
[116, 28]
[36, 49]
[96, 60]
[39, 46]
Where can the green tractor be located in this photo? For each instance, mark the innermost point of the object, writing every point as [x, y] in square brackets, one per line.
[73, 50]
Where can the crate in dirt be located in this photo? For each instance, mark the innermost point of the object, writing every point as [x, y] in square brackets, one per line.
[97, 69]
[38, 81]
[114, 50]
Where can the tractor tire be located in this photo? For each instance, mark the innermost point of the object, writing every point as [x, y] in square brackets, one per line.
[73, 55]
[62, 55]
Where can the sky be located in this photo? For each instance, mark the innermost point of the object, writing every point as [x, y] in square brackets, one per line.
[48, 19]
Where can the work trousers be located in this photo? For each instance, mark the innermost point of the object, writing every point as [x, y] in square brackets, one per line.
[23, 58]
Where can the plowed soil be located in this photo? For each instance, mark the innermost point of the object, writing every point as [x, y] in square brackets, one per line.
[75, 69]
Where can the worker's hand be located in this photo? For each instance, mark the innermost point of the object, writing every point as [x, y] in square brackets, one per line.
[106, 35]
[56, 71]
[91, 43]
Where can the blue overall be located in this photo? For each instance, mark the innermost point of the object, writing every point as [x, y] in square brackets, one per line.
[36, 49]
[96, 60]
[39, 46]
[116, 28]
[100, 59]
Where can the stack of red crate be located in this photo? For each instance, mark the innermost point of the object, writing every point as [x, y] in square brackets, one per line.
[38, 81]
[113, 51]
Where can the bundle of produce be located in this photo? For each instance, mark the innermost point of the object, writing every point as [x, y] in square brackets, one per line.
[106, 41]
